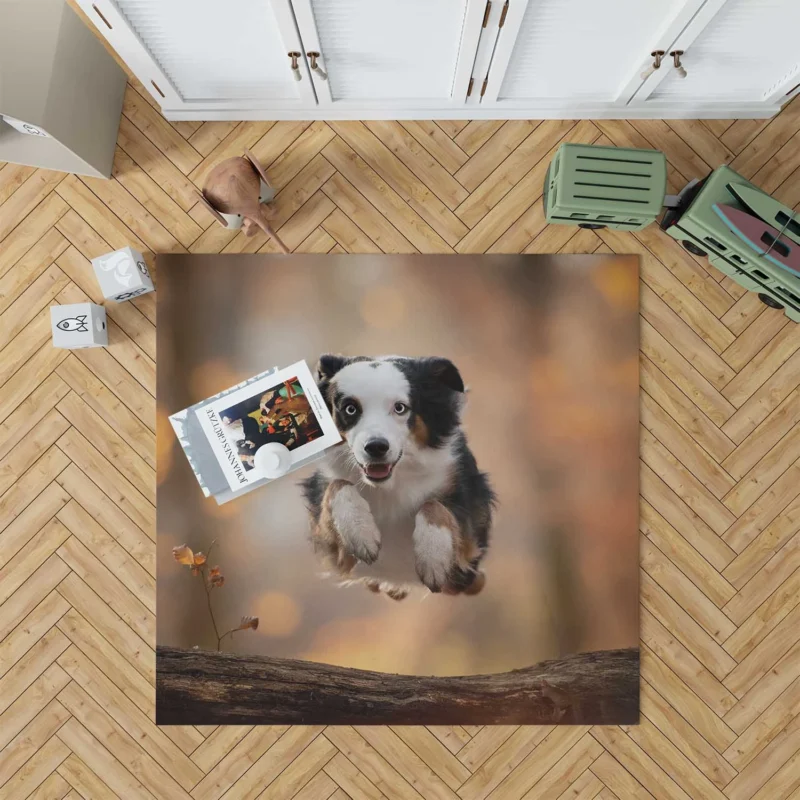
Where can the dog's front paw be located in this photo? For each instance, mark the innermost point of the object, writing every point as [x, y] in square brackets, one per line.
[355, 525]
[433, 553]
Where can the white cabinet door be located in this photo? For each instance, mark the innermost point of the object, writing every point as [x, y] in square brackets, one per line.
[390, 54]
[207, 54]
[578, 55]
[736, 51]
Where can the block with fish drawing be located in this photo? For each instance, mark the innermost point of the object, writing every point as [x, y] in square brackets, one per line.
[78, 325]
[122, 275]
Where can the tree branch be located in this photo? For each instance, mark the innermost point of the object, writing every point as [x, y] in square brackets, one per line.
[199, 687]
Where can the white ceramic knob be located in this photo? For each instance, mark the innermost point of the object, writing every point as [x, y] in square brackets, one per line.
[273, 460]
[648, 72]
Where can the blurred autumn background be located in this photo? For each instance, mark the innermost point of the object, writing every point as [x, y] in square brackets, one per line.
[548, 346]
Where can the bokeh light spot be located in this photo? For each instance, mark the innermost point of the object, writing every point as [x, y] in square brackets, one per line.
[212, 377]
[165, 442]
[618, 283]
[383, 307]
[278, 614]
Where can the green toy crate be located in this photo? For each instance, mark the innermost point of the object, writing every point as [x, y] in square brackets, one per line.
[702, 232]
[605, 187]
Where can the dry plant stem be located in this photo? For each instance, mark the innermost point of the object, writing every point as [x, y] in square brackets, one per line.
[211, 578]
[204, 576]
[210, 609]
[227, 633]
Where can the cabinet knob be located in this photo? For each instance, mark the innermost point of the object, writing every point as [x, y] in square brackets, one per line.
[657, 56]
[294, 55]
[313, 56]
[676, 57]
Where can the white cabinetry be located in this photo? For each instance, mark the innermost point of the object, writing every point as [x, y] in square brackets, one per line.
[746, 52]
[573, 53]
[340, 59]
[383, 55]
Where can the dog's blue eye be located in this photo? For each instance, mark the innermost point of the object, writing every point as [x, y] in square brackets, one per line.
[350, 410]
[400, 408]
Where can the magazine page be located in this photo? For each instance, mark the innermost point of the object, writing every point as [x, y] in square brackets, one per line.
[285, 407]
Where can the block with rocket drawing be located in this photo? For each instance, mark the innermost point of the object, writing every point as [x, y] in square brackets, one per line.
[78, 325]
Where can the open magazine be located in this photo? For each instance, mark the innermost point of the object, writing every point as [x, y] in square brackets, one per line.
[221, 436]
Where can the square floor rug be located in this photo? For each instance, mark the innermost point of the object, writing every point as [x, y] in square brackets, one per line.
[398, 489]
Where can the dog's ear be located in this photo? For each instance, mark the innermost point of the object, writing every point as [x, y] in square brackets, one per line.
[444, 371]
[328, 365]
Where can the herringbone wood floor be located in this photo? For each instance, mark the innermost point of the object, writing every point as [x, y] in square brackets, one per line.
[720, 471]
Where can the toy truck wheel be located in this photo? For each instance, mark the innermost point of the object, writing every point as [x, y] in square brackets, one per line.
[693, 249]
[769, 301]
[592, 226]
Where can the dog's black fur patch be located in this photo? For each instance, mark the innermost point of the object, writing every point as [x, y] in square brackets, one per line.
[436, 395]
[339, 402]
[329, 364]
[471, 500]
[313, 491]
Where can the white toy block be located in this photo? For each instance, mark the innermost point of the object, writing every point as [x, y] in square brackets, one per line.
[122, 274]
[78, 325]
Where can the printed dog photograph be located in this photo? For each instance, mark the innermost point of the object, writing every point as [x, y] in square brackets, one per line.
[466, 554]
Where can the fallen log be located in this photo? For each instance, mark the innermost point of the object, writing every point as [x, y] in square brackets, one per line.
[199, 687]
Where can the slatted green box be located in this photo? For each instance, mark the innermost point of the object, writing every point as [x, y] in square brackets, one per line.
[613, 187]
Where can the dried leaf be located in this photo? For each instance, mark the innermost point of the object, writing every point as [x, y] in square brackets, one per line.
[195, 570]
[248, 622]
[215, 578]
[183, 555]
[199, 559]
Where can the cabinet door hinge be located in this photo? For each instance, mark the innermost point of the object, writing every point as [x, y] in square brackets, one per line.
[469, 88]
[483, 88]
[503, 15]
[486, 13]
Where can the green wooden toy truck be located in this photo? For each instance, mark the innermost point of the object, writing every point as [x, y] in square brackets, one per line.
[599, 187]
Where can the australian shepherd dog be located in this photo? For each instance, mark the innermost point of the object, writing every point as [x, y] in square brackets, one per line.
[401, 500]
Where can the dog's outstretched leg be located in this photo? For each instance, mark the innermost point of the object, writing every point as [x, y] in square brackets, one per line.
[346, 532]
[446, 559]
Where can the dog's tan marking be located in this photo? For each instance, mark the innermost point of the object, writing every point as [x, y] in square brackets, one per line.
[377, 586]
[465, 549]
[326, 539]
[439, 515]
[396, 592]
[419, 431]
[345, 532]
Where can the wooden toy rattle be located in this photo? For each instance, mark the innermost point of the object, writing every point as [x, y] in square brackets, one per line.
[236, 192]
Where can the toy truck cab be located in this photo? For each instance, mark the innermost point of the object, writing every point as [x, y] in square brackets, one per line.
[702, 232]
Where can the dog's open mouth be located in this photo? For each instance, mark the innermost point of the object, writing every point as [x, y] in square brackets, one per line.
[377, 473]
